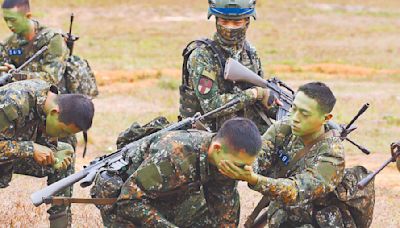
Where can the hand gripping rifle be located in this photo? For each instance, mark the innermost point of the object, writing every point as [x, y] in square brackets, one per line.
[70, 38]
[395, 149]
[255, 220]
[5, 78]
[113, 161]
[235, 71]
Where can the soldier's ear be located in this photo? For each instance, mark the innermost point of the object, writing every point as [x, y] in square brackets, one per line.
[328, 117]
[55, 111]
[216, 147]
[28, 15]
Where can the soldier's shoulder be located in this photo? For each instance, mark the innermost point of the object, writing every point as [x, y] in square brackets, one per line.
[201, 51]
[281, 127]
[332, 146]
[46, 34]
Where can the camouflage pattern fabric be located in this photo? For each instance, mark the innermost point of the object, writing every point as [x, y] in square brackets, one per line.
[49, 67]
[79, 77]
[297, 191]
[162, 187]
[135, 131]
[22, 123]
[211, 90]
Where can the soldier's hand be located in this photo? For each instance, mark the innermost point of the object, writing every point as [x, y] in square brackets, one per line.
[63, 159]
[8, 66]
[238, 172]
[266, 98]
[43, 155]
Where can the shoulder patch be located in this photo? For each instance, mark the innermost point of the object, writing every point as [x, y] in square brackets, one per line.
[205, 85]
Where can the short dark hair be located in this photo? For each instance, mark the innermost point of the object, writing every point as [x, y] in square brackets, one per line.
[241, 133]
[76, 109]
[20, 4]
[321, 93]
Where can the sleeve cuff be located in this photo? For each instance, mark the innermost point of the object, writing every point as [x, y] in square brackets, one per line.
[25, 149]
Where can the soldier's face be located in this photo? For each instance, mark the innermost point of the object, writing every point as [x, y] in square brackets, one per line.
[56, 128]
[306, 116]
[232, 24]
[17, 21]
[223, 151]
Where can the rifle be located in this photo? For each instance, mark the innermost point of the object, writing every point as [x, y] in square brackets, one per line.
[5, 78]
[395, 149]
[69, 37]
[235, 71]
[255, 220]
[115, 160]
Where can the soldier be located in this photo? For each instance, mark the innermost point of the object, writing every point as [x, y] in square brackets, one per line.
[32, 117]
[165, 170]
[203, 85]
[301, 164]
[28, 37]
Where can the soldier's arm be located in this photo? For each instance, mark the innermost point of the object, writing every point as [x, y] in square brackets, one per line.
[203, 76]
[133, 205]
[3, 55]
[53, 62]
[315, 181]
[266, 159]
[11, 112]
[223, 202]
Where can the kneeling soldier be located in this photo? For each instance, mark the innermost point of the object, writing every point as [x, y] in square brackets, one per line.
[32, 117]
[164, 172]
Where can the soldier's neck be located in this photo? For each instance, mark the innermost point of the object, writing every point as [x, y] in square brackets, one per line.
[310, 139]
[30, 34]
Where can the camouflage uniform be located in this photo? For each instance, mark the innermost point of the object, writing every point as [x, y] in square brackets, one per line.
[22, 123]
[298, 191]
[205, 89]
[49, 67]
[157, 189]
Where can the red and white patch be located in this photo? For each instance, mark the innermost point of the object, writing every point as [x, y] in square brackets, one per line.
[205, 85]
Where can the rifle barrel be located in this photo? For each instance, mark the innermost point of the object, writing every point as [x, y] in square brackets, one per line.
[364, 182]
[360, 112]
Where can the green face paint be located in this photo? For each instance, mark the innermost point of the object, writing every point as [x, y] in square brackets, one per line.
[56, 128]
[306, 116]
[17, 22]
[240, 159]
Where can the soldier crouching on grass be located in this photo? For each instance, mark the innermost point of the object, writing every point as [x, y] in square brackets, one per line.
[165, 170]
[301, 164]
[32, 118]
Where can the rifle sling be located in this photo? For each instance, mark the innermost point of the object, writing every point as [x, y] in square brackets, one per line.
[68, 201]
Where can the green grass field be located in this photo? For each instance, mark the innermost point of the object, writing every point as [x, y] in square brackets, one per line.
[135, 48]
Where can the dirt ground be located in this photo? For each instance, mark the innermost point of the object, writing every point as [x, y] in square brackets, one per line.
[135, 49]
[122, 103]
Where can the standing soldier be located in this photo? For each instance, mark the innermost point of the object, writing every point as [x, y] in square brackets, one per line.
[203, 85]
[32, 117]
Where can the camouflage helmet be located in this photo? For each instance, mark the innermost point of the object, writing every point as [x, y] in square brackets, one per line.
[232, 9]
